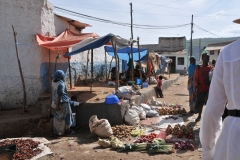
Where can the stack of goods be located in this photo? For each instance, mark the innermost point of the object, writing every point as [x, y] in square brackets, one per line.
[182, 144]
[25, 148]
[122, 131]
[146, 138]
[181, 131]
[171, 111]
[158, 145]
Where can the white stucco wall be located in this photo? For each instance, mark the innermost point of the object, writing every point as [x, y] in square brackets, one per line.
[179, 68]
[29, 17]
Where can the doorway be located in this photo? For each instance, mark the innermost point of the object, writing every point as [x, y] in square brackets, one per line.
[173, 65]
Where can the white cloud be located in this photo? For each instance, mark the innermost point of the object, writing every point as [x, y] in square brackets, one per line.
[217, 15]
[196, 2]
[230, 30]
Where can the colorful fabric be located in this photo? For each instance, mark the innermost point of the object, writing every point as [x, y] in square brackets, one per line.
[159, 84]
[191, 87]
[59, 75]
[62, 118]
[201, 78]
[192, 96]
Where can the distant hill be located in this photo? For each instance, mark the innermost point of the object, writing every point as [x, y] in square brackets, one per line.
[204, 42]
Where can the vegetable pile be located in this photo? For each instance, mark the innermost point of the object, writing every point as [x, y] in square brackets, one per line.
[171, 117]
[122, 131]
[137, 132]
[146, 138]
[171, 111]
[26, 148]
[157, 146]
[181, 131]
[181, 144]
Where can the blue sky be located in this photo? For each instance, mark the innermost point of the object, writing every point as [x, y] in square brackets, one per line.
[214, 16]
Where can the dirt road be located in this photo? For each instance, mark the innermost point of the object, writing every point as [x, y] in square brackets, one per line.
[82, 145]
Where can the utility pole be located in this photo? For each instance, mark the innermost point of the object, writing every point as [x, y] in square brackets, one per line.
[132, 73]
[131, 21]
[191, 36]
[199, 49]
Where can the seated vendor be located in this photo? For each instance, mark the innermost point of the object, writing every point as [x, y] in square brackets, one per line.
[137, 73]
[113, 74]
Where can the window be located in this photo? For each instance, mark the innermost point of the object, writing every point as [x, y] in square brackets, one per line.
[211, 52]
[180, 61]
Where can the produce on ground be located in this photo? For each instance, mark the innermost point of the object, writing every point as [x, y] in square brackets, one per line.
[116, 143]
[122, 131]
[137, 132]
[182, 144]
[171, 111]
[171, 117]
[181, 131]
[156, 148]
[104, 143]
[26, 148]
[146, 138]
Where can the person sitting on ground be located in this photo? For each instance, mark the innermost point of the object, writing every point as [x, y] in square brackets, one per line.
[62, 113]
[202, 84]
[159, 86]
[137, 73]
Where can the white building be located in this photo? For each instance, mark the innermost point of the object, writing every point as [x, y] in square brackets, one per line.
[214, 49]
[174, 48]
[31, 17]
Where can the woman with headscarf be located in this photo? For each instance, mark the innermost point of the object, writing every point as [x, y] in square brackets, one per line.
[192, 96]
[62, 114]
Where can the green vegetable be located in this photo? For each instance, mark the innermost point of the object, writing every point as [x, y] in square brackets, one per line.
[139, 146]
[161, 149]
[125, 147]
[159, 141]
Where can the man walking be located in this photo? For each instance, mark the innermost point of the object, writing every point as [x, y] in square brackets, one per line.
[202, 83]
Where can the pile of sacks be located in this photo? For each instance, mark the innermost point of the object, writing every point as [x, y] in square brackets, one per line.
[134, 113]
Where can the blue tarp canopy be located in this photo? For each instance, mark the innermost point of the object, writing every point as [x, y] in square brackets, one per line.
[91, 44]
[123, 52]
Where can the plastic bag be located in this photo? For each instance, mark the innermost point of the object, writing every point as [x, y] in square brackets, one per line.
[140, 111]
[132, 117]
[152, 113]
[155, 102]
[100, 127]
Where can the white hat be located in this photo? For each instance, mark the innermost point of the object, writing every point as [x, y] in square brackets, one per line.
[237, 21]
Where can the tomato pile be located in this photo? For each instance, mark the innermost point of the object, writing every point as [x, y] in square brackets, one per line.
[146, 138]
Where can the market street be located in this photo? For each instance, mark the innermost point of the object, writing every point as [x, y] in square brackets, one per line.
[83, 145]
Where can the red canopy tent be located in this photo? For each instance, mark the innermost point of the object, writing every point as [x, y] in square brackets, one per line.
[63, 41]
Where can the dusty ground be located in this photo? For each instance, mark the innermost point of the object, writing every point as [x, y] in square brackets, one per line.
[99, 91]
[82, 145]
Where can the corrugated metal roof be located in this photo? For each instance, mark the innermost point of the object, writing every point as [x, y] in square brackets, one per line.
[75, 23]
[214, 48]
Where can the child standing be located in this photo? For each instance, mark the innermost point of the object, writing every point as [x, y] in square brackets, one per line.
[159, 87]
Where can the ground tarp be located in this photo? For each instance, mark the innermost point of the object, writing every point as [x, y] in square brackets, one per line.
[123, 53]
[92, 43]
[63, 41]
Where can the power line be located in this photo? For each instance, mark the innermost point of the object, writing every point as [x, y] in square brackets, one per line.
[205, 30]
[115, 22]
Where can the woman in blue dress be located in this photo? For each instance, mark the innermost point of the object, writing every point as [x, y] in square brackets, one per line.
[192, 96]
[62, 114]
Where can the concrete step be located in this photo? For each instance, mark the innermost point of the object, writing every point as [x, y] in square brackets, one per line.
[45, 107]
[44, 96]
